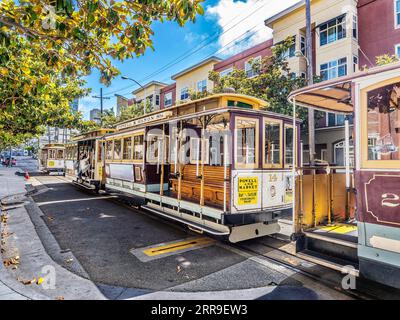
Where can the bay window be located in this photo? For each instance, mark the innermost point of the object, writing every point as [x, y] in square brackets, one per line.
[332, 31]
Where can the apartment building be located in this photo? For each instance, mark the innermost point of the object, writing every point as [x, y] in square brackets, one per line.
[243, 59]
[151, 93]
[168, 96]
[194, 78]
[122, 102]
[346, 36]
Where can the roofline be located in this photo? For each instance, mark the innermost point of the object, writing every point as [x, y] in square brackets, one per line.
[153, 82]
[268, 22]
[195, 66]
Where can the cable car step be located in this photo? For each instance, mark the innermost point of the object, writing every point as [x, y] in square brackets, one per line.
[189, 220]
[84, 185]
[329, 245]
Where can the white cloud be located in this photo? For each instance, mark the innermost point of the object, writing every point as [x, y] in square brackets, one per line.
[229, 15]
[191, 37]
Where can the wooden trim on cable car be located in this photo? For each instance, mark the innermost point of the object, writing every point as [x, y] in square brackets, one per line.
[365, 163]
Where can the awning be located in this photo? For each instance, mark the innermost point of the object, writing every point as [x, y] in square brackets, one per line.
[330, 96]
[334, 95]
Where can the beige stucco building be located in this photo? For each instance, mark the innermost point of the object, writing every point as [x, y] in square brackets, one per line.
[150, 91]
[194, 78]
[335, 36]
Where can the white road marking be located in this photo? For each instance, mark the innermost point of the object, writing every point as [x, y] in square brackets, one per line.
[74, 200]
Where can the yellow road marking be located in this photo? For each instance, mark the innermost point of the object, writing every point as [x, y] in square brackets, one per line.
[340, 229]
[172, 247]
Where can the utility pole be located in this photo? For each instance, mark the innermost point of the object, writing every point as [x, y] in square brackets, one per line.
[101, 104]
[310, 75]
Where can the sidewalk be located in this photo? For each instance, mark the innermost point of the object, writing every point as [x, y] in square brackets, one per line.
[22, 230]
[10, 184]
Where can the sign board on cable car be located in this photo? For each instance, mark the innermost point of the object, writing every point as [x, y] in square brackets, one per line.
[151, 118]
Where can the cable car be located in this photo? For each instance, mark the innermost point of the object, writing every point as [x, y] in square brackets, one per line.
[351, 216]
[51, 159]
[71, 159]
[220, 165]
[89, 159]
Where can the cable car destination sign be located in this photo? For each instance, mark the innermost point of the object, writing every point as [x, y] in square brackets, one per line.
[150, 118]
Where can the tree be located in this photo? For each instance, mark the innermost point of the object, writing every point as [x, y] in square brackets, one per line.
[77, 35]
[386, 59]
[273, 81]
[32, 94]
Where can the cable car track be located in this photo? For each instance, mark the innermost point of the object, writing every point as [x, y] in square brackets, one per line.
[330, 284]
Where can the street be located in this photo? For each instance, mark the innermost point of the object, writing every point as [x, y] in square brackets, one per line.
[128, 253]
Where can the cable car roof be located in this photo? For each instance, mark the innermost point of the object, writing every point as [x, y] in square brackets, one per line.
[53, 145]
[225, 102]
[334, 95]
[94, 134]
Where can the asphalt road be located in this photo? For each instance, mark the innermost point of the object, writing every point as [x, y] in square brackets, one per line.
[101, 233]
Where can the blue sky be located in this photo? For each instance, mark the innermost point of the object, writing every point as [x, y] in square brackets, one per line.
[227, 27]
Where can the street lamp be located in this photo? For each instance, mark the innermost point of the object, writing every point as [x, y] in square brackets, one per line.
[145, 98]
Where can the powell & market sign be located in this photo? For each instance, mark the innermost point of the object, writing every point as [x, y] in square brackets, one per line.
[151, 118]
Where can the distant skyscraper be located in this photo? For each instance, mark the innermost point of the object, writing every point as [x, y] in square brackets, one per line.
[75, 105]
[95, 115]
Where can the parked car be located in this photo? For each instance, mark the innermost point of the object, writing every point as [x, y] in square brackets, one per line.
[6, 162]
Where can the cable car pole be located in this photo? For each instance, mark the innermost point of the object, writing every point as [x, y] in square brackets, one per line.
[310, 75]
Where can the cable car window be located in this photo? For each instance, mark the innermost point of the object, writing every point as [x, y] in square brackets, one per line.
[383, 124]
[60, 154]
[127, 148]
[138, 147]
[288, 145]
[117, 149]
[272, 142]
[153, 142]
[52, 154]
[246, 142]
[109, 147]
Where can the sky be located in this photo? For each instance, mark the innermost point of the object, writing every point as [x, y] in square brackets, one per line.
[227, 27]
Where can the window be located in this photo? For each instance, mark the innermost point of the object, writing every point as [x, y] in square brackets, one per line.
[335, 120]
[127, 148]
[199, 150]
[288, 145]
[157, 99]
[291, 51]
[117, 149]
[334, 69]
[355, 63]
[138, 147]
[246, 142]
[185, 93]
[272, 143]
[339, 153]
[60, 154]
[109, 150]
[355, 26]
[332, 31]
[383, 116]
[397, 12]
[248, 67]
[155, 147]
[202, 86]
[303, 45]
[168, 99]
[397, 50]
[225, 72]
